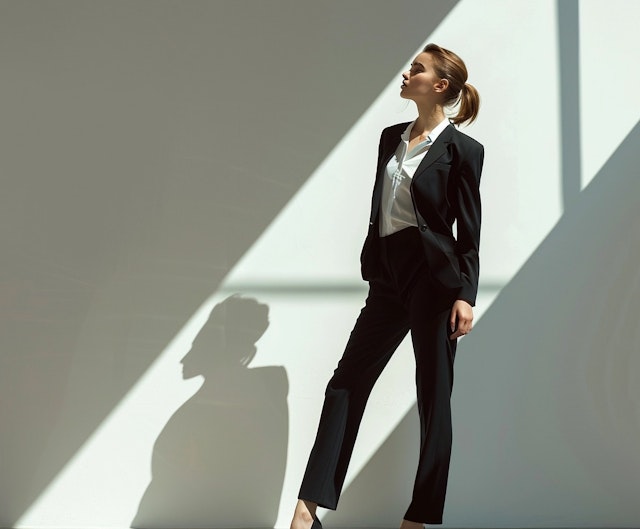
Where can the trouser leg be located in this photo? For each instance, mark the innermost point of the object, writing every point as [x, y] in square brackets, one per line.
[435, 355]
[380, 328]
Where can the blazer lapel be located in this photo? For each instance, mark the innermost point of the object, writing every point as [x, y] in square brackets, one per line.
[436, 150]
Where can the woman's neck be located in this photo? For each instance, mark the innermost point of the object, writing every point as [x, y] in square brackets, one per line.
[429, 116]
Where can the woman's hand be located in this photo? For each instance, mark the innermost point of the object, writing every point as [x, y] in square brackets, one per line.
[461, 319]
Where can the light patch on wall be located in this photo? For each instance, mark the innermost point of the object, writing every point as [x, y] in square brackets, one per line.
[609, 79]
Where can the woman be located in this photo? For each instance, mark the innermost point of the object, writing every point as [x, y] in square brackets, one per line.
[421, 279]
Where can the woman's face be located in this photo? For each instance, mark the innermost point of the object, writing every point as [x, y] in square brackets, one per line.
[420, 80]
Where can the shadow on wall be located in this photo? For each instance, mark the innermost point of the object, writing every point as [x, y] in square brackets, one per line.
[547, 386]
[132, 183]
[228, 441]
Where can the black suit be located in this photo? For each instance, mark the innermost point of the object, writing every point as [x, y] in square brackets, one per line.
[414, 277]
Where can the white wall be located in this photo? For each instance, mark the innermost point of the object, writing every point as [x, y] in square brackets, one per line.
[159, 156]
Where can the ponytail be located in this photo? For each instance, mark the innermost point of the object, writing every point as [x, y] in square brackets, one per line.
[469, 105]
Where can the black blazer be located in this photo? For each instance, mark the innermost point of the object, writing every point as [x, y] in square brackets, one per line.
[444, 188]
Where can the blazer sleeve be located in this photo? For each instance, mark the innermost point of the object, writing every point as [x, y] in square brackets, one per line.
[468, 214]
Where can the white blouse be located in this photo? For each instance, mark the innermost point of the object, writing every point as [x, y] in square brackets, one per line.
[396, 206]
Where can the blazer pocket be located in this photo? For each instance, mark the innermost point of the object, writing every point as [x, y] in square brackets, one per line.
[441, 258]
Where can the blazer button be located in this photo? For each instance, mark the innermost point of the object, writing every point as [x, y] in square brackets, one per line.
[423, 227]
[370, 223]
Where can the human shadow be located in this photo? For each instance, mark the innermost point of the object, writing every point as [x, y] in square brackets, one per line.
[547, 389]
[222, 455]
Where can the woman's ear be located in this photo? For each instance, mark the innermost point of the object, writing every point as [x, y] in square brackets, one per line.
[442, 85]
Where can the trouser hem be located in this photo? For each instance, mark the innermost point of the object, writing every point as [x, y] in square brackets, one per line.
[430, 521]
[319, 503]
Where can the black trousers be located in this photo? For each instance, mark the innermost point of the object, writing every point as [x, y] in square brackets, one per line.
[403, 298]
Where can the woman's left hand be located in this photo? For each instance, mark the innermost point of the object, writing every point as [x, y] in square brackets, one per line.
[461, 319]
